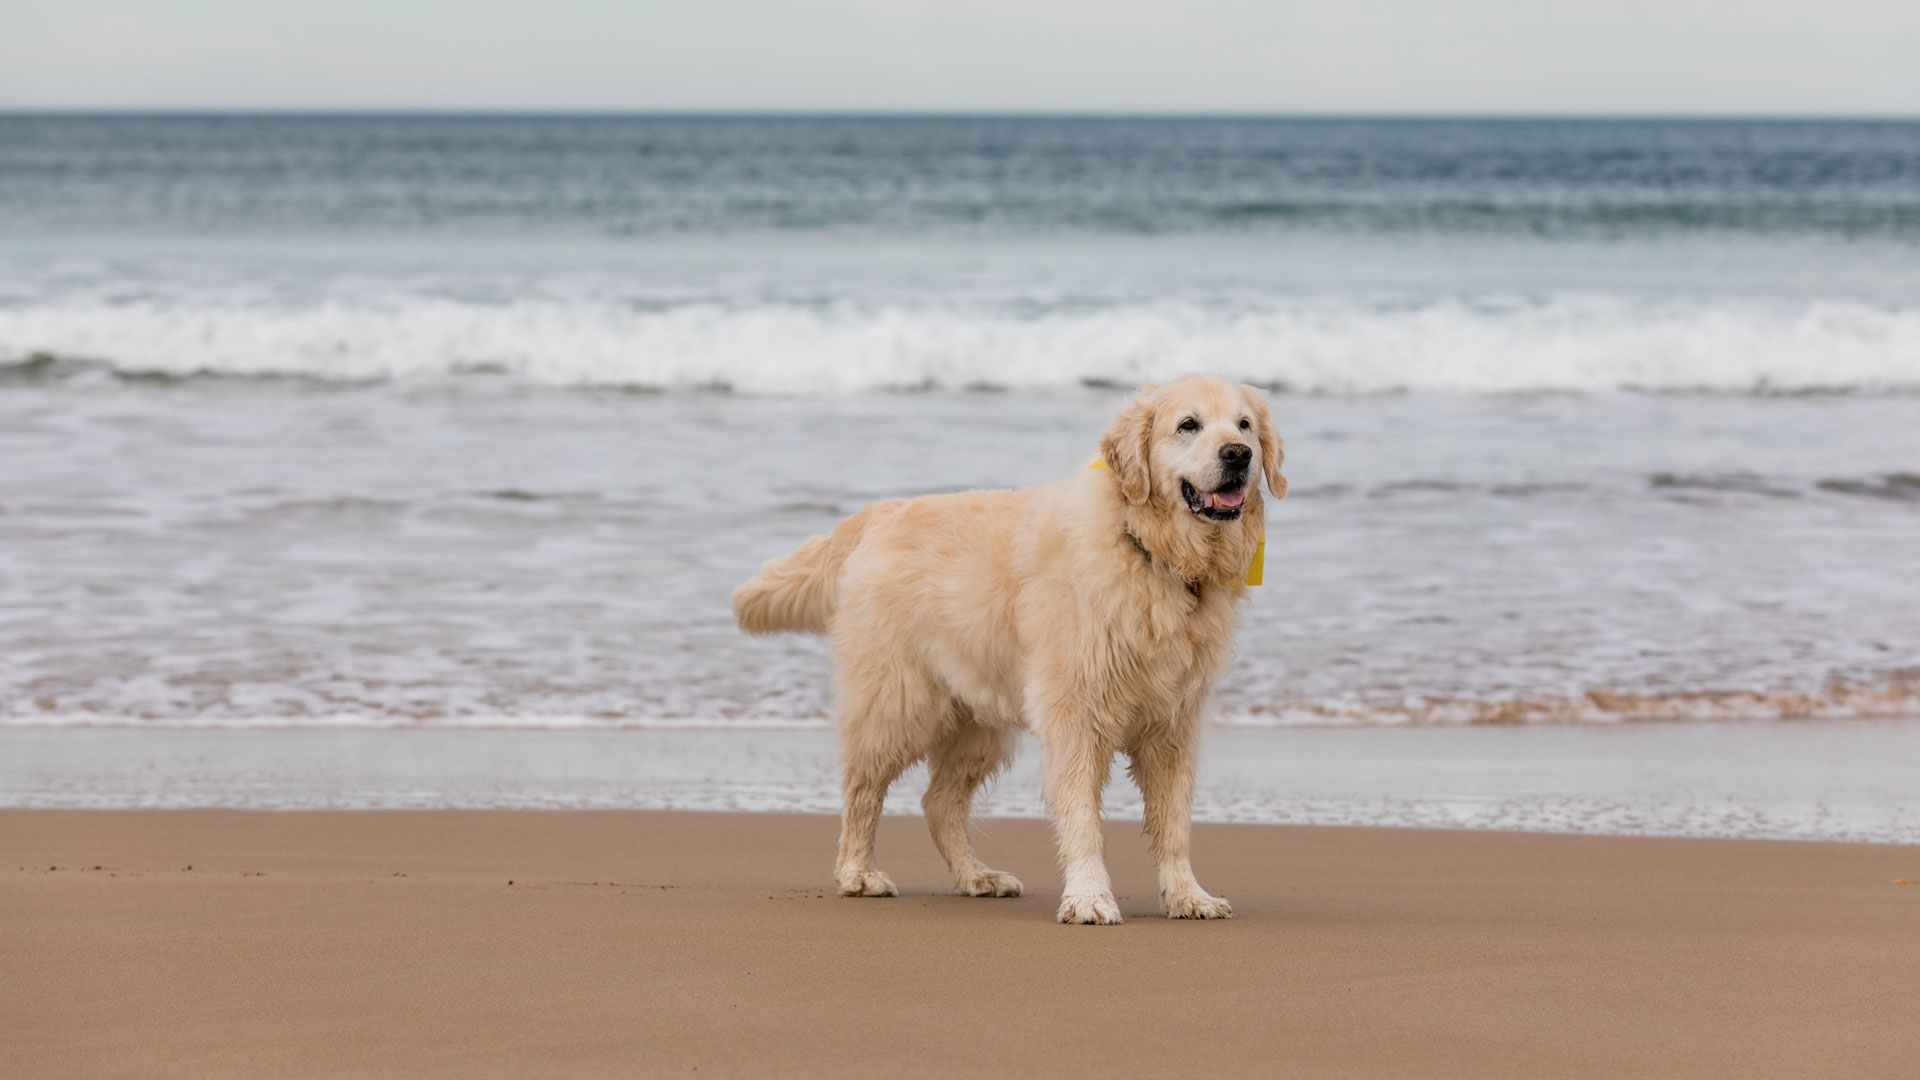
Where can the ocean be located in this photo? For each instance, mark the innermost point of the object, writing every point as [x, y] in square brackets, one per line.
[430, 421]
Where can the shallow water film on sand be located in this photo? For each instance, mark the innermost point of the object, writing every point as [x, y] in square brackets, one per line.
[399, 421]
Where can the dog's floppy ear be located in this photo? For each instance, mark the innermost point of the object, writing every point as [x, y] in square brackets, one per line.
[1124, 447]
[1272, 452]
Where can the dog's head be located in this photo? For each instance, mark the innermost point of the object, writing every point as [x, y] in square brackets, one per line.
[1197, 442]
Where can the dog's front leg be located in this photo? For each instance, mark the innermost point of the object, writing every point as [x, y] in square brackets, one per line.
[1075, 770]
[1162, 766]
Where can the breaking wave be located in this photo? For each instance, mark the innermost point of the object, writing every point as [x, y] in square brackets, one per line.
[1320, 346]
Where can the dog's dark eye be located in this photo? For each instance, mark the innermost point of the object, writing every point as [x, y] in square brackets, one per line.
[1189, 424]
[1246, 424]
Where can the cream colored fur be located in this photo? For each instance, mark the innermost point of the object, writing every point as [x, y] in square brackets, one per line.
[956, 619]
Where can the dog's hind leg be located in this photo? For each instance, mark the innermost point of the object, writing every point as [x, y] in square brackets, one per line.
[890, 715]
[970, 755]
[864, 787]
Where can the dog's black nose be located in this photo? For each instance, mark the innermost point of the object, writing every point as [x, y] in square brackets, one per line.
[1236, 453]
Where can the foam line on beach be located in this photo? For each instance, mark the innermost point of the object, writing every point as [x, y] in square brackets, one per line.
[1856, 781]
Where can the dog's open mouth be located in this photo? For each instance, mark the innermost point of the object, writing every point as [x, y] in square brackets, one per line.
[1221, 505]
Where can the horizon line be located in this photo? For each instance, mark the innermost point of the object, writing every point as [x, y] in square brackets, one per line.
[483, 112]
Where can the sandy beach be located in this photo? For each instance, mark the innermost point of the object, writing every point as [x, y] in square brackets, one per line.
[206, 943]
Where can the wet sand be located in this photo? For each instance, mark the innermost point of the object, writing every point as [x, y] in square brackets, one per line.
[1854, 781]
[480, 943]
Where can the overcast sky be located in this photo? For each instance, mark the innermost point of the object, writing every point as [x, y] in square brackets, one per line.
[1394, 56]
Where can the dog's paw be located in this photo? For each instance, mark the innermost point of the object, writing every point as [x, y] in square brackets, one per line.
[1198, 905]
[1089, 909]
[866, 883]
[990, 883]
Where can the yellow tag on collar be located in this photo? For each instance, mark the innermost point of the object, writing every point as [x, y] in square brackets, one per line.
[1256, 569]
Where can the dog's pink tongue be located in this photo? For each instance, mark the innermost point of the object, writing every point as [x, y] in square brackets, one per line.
[1229, 499]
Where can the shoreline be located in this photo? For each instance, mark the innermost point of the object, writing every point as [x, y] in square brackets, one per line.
[310, 943]
[1856, 781]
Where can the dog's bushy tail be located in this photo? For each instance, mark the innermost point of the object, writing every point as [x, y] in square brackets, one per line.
[795, 593]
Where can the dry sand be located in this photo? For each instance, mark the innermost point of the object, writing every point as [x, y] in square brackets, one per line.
[371, 943]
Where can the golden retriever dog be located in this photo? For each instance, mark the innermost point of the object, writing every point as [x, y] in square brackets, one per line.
[1096, 612]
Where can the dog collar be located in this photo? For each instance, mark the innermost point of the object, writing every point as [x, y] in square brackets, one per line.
[1193, 587]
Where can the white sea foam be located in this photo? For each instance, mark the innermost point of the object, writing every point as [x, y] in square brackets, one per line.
[280, 555]
[1329, 346]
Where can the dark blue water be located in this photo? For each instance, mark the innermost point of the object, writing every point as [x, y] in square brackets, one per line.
[648, 176]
